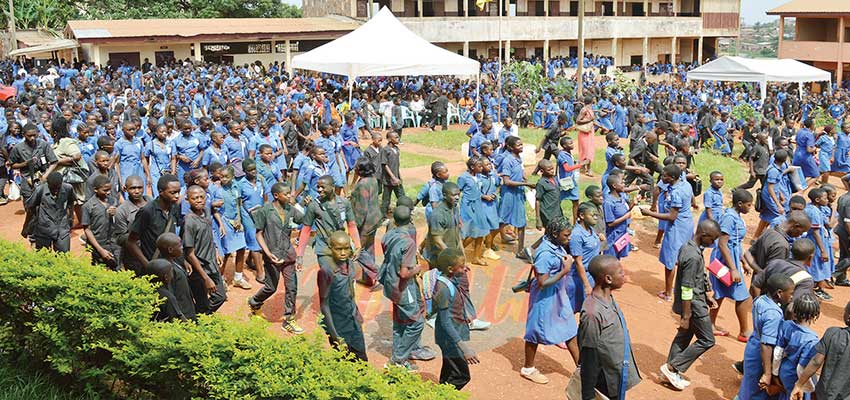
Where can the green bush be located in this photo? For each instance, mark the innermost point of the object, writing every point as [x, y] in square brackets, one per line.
[92, 326]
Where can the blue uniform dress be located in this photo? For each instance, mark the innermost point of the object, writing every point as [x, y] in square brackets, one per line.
[212, 155]
[770, 209]
[613, 208]
[585, 243]
[270, 175]
[720, 141]
[351, 144]
[805, 138]
[550, 316]
[841, 162]
[130, 155]
[189, 146]
[272, 140]
[621, 121]
[732, 225]
[663, 198]
[565, 158]
[799, 344]
[214, 194]
[712, 200]
[333, 146]
[819, 270]
[489, 185]
[512, 205]
[236, 150]
[604, 121]
[767, 317]
[159, 159]
[471, 213]
[252, 198]
[680, 230]
[609, 166]
[537, 114]
[828, 238]
[826, 144]
[233, 240]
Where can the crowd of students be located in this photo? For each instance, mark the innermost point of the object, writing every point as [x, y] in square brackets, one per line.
[187, 172]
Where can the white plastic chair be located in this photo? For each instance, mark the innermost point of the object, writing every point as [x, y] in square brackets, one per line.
[407, 116]
[453, 113]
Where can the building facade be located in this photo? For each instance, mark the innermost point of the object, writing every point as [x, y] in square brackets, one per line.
[632, 32]
[238, 41]
[820, 35]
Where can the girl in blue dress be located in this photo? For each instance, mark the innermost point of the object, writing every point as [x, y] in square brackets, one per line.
[797, 343]
[804, 153]
[773, 195]
[233, 242]
[128, 155]
[537, 114]
[473, 229]
[550, 315]
[617, 210]
[512, 205]
[333, 149]
[712, 199]
[158, 152]
[841, 156]
[767, 318]
[567, 173]
[251, 192]
[584, 246]
[215, 152]
[821, 268]
[729, 251]
[826, 149]
[265, 136]
[620, 119]
[350, 142]
[488, 181]
[681, 224]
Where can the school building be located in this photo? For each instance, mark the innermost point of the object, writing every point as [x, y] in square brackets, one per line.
[239, 41]
[821, 36]
[633, 32]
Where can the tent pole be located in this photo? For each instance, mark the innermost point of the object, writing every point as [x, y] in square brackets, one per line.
[801, 90]
[350, 87]
[477, 92]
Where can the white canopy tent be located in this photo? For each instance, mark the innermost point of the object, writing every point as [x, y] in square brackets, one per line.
[740, 69]
[383, 46]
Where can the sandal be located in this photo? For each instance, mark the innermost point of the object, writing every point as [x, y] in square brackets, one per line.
[720, 332]
[663, 296]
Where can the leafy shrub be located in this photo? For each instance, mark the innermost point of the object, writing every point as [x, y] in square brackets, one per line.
[92, 326]
[745, 112]
[821, 118]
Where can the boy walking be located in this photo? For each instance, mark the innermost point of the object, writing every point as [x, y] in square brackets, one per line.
[390, 176]
[97, 222]
[52, 207]
[206, 283]
[691, 302]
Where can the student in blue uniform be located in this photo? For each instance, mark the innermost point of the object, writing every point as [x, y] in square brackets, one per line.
[821, 268]
[333, 149]
[350, 142]
[826, 149]
[841, 156]
[512, 206]
[681, 226]
[617, 210]
[158, 152]
[128, 156]
[188, 150]
[729, 251]
[773, 194]
[537, 114]
[233, 242]
[804, 153]
[567, 177]
[713, 198]
[797, 343]
[550, 316]
[215, 152]
[252, 192]
[236, 147]
[473, 229]
[767, 318]
[584, 247]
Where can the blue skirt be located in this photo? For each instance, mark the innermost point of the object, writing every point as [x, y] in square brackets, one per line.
[250, 231]
[571, 194]
[474, 224]
[491, 214]
[512, 207]
[611, 237]
[738, 291]
[822, 270]
[749, 389]
[232, 240]
[676, 235]
[551, 319]
[575, 288]
[351, 154]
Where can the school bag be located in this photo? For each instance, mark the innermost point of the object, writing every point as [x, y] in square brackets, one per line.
[429, 287]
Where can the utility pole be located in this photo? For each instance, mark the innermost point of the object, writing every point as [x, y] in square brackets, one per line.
[580, 70]
[13, 40]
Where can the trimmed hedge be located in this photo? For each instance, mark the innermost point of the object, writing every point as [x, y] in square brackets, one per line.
[93, 326]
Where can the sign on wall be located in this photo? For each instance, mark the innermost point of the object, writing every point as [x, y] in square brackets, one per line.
[236, 48]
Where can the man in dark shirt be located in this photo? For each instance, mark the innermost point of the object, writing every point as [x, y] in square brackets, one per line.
[795, 268]
[439, 109]
[691, 302]
[842, 231]
[549, 143]
[643, 155]
[153, 219]
[775, 244]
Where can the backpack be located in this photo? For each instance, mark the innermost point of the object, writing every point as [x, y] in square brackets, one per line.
[429, 287]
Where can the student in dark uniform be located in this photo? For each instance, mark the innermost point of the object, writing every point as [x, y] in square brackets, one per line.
[52, 207]
[35, 159]
[842, 231]
[97, 222]
[775, 244]
[170, 248]
[340, 317]
[126, 212]
[691, 302]
[390, 175]
[273, 222]
[549, 143]
[164, 279]
[605, 355]
[205, 281]
[451, 331]
[758, 162]
[398, 274]
[367, 212]
[153, 219]
[329, 213]
[833, 361]
[795, 268]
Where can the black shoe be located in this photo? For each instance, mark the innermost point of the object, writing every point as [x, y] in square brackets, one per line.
[739, 367]
[843, 282]
[823, 295]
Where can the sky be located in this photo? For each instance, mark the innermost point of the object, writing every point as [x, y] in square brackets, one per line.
[752, 10]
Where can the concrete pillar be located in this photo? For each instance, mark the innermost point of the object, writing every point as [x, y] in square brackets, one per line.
[781, 36]
[646, 7]
[699, 51]
[840, 70]
[465, 8]
[288, 57]
[616, 11]
[466, 49]
[507, 51]
[676, 5]
[369, 11]
[615, 54]
[645, 53]
[673, 50]
[198, 56]
[419, 4]
[545, 7]
[546, 50]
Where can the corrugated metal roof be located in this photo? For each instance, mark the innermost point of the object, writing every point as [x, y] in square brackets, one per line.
[813, 7]
[56, 44]
[35, 37]
[129, 28]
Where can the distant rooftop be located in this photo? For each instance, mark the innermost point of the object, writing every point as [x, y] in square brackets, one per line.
[813, 7]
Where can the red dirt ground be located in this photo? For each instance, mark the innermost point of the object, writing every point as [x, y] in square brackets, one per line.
[500, 349]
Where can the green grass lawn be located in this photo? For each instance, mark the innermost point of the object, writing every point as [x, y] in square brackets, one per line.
[411, 160]
[20, 382]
